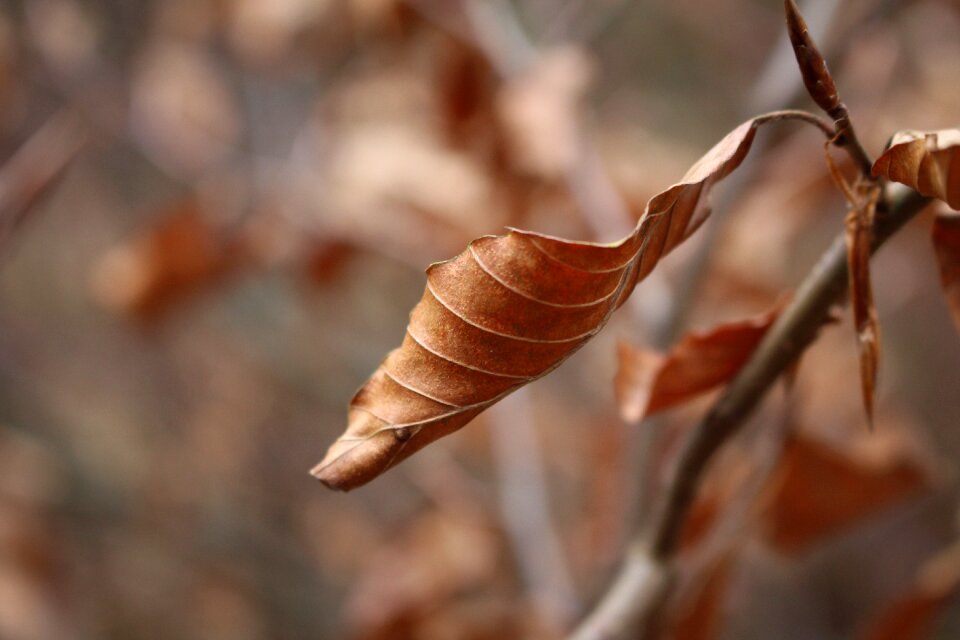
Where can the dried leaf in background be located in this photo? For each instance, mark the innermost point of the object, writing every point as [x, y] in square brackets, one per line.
[820, 488]
[946, 245]
[504, 313]
[928, 161]
[540, 110]
[648, 382]
[183, 253]
[859, 235]
[182, 111]
[429, 567]
[915, 615]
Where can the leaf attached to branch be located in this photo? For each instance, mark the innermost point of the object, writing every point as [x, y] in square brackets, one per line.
[503, 313]
[946, 244]
[859, 234]
[648, 382]
[928, 161]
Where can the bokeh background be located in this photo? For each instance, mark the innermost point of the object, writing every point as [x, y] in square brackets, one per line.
[215, 218]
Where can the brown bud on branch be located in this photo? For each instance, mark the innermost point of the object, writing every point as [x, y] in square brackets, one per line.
[813, 67]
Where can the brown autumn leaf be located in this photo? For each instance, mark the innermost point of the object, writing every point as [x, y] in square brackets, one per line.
[421, 572]
[325, 258]
[914, 615]
[946, 245]
[503, 313]
[540, 111]
[648, 381]
[819, 489]
[166, 263]
[859, 235]
[928, 161]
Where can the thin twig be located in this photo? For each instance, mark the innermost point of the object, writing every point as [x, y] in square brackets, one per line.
[524, 507]
[775, 85]
[36, 167]
[821, 87]
[797, 114]
[631, 604]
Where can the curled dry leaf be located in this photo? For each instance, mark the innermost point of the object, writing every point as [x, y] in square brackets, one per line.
[182, 110]
[928, 161]
[648, 382]
[946, 244]
[420, 573]
[503, 313]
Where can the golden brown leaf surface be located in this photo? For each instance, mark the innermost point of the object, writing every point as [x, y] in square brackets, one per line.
[648, 381]
[503, 313]
[946, 244]
[928, 161]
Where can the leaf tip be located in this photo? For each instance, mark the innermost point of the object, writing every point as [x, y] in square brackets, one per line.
[351, 463]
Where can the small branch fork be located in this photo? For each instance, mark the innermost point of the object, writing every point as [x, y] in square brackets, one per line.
[635, 601]
[821, 87]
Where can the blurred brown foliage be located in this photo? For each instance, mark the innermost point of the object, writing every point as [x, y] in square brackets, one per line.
[186, 309]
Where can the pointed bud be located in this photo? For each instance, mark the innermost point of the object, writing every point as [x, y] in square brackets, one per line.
[813, 67]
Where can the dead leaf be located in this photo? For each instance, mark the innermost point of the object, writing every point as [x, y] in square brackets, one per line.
[540, 111]
[425, 569]
[928, 161]
[166, 263]
[648, 382]
[182, 111]
[859, 236]
[466, 85]
[820, 489]
[503, 313]
[915, 614]
[946, 244]
[911, 618]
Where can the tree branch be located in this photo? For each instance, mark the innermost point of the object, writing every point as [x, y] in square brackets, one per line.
[633, 601]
